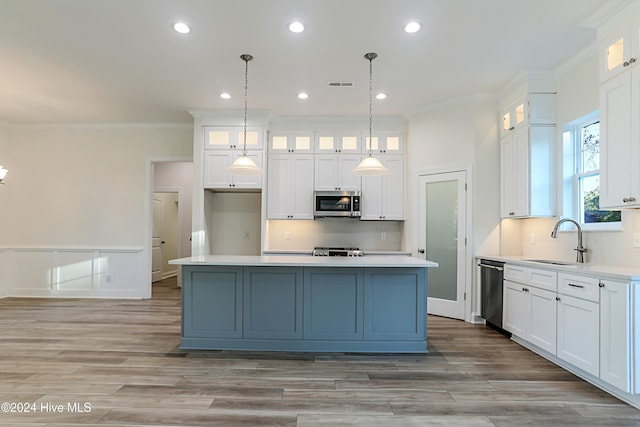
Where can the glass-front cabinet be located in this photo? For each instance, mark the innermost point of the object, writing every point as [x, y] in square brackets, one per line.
[226, 138]
[291, 142]
[386, 143]
[344, 143]
[620, 51]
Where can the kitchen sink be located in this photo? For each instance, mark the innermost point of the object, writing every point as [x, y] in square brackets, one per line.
[550, 261]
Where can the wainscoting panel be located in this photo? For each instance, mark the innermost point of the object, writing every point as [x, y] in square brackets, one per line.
[75, 273]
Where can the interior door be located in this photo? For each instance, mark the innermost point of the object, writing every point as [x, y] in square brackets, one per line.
[442, 239]
[156, 240]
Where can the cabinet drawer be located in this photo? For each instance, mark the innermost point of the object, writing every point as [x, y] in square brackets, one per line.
[515, 273]
[579, 286]
[543, 279]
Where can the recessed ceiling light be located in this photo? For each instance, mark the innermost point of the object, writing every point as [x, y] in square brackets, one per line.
[412, 27]
[303, 95]
[181, 28]
[225, 95]
[296, 27]
[381, 95]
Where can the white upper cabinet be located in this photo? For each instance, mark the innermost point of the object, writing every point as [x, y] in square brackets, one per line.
[619, 51]
[231, 137]
[291, 142]
[384, 143]
[338, 143]
[290, 187]
[333, 172]
[620, 141]
[215, 176]
[527, 175]
[531, 109]
[383, 196]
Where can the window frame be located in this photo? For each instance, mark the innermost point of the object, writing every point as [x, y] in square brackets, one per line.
[572, 175]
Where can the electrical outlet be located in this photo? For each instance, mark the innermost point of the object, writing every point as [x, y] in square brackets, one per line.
[383, 236]
[532, 238]
[287, 235]
[636, 240]
[246, 235]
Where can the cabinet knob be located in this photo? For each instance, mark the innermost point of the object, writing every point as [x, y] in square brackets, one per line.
[632, 60]
[511, 128]
[629, 199]
[420, 251]
[512, 213]
[601, 285]
[557, 298]
[625, 64]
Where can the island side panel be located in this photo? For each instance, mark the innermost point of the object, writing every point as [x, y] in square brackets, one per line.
[333, 303]
[395, 304]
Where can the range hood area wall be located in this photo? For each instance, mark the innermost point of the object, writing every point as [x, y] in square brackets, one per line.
[304, 235]
[233, 221]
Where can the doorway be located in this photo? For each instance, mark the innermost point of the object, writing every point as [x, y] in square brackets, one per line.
[165, 235]
[442, 234]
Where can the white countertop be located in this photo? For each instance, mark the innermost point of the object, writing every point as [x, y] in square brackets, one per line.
[306, 261]
[603, 271]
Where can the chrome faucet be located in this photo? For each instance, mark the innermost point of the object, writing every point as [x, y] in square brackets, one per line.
[580, 249]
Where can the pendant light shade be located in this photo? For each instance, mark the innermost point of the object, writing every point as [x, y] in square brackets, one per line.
[3, 173]
[243, 165]
[370, 166]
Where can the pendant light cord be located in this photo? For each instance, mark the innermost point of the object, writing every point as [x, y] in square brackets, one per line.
[246, 58]
[370, 56]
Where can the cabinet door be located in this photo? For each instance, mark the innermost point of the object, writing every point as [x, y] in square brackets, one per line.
[347, 181]
[333, 303]
[278, 183]
[541, 322]
[214, 164]
[383, 196]
[291, 142]
[515, 309]
[514, 170]
[616, 142]
[579, 333]
[249, 181]
[615, 334]
[395, 304]
[616, 52]
[212, 302]
[272, 302]
[393, 189]
[326, 173]
[301, 187]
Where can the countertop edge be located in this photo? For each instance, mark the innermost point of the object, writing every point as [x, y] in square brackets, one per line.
[306, 261]
[604, 271]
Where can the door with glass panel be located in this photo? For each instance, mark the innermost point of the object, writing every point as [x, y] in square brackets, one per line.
[442, 239]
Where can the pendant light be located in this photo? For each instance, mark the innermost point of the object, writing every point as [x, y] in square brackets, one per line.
[243, 165]
[370, 166]
[3, 174]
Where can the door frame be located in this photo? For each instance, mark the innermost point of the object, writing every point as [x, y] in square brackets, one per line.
[148, 214]
[178, 191]
[470, 244]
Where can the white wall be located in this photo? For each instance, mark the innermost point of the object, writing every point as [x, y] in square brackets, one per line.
[80, 209]
[4, 212]
[458, 134]
[234, 222]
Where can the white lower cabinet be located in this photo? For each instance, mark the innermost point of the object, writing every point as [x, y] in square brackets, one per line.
[579, 333]
[589, 323]
[530, 313]
[616, 358]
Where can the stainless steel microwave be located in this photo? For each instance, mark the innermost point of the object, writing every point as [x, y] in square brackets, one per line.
[336, 203]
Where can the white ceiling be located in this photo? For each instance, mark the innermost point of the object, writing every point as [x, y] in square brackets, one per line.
[96, 61]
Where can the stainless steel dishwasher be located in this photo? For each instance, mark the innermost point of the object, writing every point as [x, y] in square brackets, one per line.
[491, 276]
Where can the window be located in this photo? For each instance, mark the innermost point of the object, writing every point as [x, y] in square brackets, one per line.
[581, 141]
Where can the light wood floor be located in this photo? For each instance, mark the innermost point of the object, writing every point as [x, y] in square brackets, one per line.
[120, 357]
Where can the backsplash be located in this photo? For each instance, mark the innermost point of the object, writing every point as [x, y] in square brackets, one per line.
[532, 238]
[303, 235]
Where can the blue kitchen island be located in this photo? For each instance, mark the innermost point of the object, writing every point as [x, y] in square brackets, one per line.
[304, 303]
